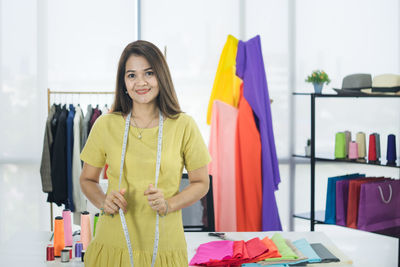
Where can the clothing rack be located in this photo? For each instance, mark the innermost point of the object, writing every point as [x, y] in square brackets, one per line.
[49, 93]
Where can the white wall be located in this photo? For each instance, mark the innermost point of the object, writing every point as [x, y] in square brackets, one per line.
[75, 45]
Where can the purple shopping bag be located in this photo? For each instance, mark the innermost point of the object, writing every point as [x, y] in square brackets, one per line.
[379, 208]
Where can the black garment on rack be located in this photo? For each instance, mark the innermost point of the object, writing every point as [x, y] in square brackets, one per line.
[54, 124]
[59, 161]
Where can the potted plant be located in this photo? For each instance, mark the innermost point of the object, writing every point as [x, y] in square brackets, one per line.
[318, 78]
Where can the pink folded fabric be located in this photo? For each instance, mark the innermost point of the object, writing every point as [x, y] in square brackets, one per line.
[213, 251]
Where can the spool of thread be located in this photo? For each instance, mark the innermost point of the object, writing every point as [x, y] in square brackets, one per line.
[372, 149]
[86, 232]
[378, 146]
[59, 242]
[353, 151]
[83, 255]
[391, 150]
[66, 214]
[348, 140]
[50, 253]
[360, 139]
[78, 250]
[96, 218]
[65, 255]
[340, 145]
[70, 251]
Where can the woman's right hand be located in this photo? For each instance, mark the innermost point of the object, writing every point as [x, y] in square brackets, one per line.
[114, 201]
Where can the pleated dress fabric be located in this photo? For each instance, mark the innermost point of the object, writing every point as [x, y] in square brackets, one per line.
[182, 146]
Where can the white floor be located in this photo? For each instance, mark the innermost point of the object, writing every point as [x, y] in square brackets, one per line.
[25, 216]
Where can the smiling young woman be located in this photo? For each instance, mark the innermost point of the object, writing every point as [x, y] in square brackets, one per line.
[145, 164]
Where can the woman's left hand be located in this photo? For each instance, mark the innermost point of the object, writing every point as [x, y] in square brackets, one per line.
[156, 199]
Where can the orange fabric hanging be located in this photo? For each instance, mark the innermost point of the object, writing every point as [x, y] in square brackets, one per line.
[248, 169]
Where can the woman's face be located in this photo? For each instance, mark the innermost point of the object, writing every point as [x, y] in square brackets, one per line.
[140, 80]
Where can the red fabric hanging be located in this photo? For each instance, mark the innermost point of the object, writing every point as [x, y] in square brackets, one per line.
[248, 169]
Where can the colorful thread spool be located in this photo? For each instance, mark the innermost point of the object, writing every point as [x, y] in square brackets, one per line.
[59, 242]
[353, 151]
[66, 214]
[65, 255]
[378, 146]
[348, 140]
[340, 145]
[96, 218]
[83, 255]
[372, 149]
[86, 232]
[70, 251]
[391, 150]
[50, 253]
[360, 139]
[78, 250]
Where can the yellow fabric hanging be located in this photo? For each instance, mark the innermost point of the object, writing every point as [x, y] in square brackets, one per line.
[226, 86]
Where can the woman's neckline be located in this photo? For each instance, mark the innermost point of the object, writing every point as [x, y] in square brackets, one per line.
[130, 124]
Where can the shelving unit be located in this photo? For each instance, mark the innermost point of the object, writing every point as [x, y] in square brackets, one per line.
[318, 217]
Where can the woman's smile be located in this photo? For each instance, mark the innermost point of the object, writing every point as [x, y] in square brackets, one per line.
[142, 91]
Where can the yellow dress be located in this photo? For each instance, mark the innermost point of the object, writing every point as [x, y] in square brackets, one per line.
[182, 145]
[226, 87]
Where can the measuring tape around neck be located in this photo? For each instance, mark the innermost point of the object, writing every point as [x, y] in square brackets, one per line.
[158, 163]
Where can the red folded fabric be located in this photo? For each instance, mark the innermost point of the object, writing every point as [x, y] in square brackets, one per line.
[255, 247]
[239, 254]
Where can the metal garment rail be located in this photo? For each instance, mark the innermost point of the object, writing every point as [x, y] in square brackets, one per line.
[49, 93]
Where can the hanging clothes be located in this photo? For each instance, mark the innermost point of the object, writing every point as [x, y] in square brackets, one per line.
[59, 161]
[53, 126]
[95, 115]
[222, 166]
[248, 169]
[226, 84]
[85, 125]
[45, 164]
[250, 68]
[69, 148]
[78, 198]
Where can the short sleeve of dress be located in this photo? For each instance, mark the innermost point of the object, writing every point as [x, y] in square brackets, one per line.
[195, 151]
[93, 152]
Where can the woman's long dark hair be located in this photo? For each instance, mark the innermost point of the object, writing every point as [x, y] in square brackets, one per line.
[167, 100]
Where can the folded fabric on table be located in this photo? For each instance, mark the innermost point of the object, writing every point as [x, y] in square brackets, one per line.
[257, 264]
[324, 253]
[213, 251]
[271, 252]
[307, 250]
[285, 251]
[252, 249]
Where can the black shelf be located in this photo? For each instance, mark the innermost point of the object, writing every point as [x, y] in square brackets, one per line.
[347, 96]
[320, 219]
[319, 216]
[347, 161]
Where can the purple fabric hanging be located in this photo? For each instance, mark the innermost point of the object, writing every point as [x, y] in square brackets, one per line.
[250, 68]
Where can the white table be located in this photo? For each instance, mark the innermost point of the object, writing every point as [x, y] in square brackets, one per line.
[29, 249]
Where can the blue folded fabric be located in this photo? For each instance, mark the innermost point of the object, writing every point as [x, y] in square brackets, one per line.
[330, 210]
[307, 250]
[269, 265]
